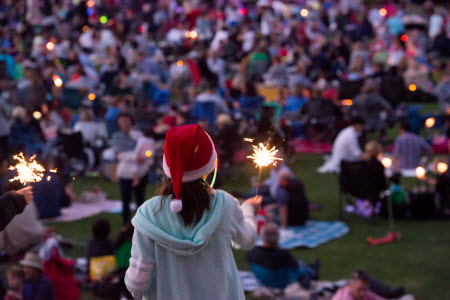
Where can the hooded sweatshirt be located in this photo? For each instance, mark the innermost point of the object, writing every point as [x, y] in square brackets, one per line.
[172, 261]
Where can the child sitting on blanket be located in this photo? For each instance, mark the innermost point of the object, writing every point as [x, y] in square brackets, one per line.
[99, 246]
[15, 277]
[267, 260]
[145, 146]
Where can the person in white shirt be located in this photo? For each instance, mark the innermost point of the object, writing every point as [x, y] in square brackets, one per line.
[143, 151]
[89, 128]
[248, 39]
[345, 147]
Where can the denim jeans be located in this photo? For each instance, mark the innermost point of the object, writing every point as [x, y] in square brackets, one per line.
[306, 274]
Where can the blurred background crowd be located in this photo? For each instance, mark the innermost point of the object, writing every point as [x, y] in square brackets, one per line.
[91, 86]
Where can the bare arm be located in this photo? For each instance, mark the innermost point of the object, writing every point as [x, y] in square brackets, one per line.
[283, 212]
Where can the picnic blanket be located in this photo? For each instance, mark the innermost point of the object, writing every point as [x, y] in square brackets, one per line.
[293, 291]
[319, 290]
[305, 146]
[313, 234]
[81, 210]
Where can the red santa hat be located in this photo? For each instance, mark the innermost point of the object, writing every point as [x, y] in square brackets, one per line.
[189, 154]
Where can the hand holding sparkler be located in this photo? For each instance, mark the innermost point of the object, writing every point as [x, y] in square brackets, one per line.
[27, 193]
[255, 202]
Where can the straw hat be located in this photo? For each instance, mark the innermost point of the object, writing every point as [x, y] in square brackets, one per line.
[32, 260]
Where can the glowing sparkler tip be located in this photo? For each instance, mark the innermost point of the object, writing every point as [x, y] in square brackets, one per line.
[27, 171]
[263, 157]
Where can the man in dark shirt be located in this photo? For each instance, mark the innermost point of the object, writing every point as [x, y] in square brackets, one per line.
[277, 267]
[37, 286]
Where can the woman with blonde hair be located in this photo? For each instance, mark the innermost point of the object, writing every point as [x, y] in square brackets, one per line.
[374, 169]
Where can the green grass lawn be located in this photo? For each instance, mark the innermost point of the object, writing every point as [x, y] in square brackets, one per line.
[420, 262]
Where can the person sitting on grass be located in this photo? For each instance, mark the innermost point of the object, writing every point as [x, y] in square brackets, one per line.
[268, 259]
[100, 244]
[362, 286]
[291, 202]
[37, 286]
[357, 288]
[345, 146]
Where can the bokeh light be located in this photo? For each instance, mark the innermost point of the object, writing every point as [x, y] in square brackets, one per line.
[404, 38]
[430, 122]
[50, 46]
[148, 153]
[91, 96]
[57, 81]
[193, 35]
[420, 172]
[180, 63]
[412, 87]
[442, 167]
[37, 115]
[387, 162]
[103, 19]
[304, 13]
[383, 12]
[347, 102]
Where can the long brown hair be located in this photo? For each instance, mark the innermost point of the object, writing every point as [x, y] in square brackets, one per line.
[196, 197]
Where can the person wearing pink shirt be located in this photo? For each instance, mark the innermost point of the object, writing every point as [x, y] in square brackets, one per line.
[357, 288]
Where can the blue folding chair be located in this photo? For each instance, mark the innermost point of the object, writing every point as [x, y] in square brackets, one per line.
[161, 97]
[250, 105]
[275, 279]
[72, 98]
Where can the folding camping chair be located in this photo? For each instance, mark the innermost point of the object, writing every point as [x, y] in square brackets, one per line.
[276, 280]
[72, 98]
[354, 183]
[250, 106]
[350, 89]
[204, 110]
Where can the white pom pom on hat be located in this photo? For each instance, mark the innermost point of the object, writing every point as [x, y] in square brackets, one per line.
[189, 154]
[176, 205]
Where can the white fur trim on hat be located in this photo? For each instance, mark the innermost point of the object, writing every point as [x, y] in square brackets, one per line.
[176, 205]
[194, 174]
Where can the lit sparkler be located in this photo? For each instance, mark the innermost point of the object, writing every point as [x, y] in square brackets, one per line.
[248, 140]
[263, 156]
[27, 171]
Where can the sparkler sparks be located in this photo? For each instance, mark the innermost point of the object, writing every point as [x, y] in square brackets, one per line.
[27, 171]
[264, 157]
[248, 140]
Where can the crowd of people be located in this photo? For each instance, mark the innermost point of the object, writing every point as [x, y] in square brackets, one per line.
[93, 86]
